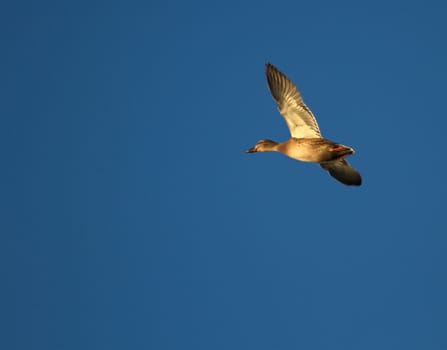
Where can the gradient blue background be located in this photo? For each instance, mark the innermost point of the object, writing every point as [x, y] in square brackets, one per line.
[133, 219]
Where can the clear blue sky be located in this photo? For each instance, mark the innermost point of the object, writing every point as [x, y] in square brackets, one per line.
[133, 219]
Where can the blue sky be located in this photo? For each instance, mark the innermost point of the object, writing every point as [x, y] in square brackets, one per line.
[133, 219]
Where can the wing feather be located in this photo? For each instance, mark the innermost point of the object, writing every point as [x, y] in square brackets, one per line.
[342, 171]
[299, 118]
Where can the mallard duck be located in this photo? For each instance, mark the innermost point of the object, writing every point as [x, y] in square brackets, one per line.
[306, 143]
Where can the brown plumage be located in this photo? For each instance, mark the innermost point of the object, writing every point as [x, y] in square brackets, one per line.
[306, 143]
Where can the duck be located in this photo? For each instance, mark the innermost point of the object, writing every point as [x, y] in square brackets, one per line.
[306, 143]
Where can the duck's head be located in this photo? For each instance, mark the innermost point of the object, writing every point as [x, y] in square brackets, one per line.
[263, 146]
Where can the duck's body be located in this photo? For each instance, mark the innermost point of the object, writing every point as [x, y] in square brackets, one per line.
[315, 150]
[306, 143]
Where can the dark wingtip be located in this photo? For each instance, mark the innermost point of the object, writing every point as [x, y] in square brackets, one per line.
[269, 66]
[357, 181]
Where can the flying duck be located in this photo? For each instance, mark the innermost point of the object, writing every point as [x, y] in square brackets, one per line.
[306, 143]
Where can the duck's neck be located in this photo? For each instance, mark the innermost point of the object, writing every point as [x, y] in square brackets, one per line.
[281, 147]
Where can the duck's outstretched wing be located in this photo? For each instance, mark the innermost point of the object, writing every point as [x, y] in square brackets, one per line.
[299, 118]
[343, 172]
